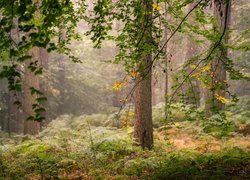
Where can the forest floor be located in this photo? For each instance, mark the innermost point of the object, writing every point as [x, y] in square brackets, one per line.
[91, 147]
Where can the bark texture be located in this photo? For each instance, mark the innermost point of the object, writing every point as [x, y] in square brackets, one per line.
[143, 133]
[222, 11]
[62, 77]
[192, 88]
[44, 59]
[14, 114]
[143, 110]
[30, 80]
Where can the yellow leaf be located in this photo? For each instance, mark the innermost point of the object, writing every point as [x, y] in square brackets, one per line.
[207, 68]
[193, 66]
[221, 99]
[124, 117]
[117, 86]
[123, 100]
[124, 83]
[134, 74]
[156, 7]
[130, 113]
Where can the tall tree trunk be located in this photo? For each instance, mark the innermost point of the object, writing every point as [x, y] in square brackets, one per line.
[167, 65]
[170, 64]
[143, 109]
[30, 80]
[192, 88]
[61, 73]
[44, 58]
[14, 121]
[222, 11]
[143, 133]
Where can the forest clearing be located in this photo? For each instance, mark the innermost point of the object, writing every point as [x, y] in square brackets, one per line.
[124, 89]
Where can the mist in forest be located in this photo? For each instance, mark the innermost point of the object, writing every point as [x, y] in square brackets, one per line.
[113, 89]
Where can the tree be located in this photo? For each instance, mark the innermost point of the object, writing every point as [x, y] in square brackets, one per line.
[216, 91]
[143, 132]
[167, 63]
[14, 114]
[44, 59]
[192, 88]
[31, 82]
[61, 76]
[135, 43]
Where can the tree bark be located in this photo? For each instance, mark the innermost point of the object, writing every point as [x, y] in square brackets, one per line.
[61, 64]
[143, 109]
[143, 132]
[30, 80]
[14, 120]
[167, 80]
[192, 89]
[44, 58]
[222, 11]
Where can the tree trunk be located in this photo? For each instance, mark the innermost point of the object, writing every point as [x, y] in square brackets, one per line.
[154, 95]
[222, 11]
[44, 58]
[167, 89]
[14, 120]
[61, 64]
[30, 80]
[143, 133]
[192, 89]
[143, 109]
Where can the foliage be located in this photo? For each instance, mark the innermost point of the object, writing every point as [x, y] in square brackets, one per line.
[218, 125]
[81, 147]
[39, 24]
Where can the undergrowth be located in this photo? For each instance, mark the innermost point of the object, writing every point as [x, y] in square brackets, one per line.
[91, 147]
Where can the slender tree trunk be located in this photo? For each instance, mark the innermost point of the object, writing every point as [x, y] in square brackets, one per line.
[61, 73]
[143, 133]
[222, 11]
[170, 65]
[167, 87]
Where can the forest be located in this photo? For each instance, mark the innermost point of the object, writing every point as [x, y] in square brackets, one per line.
[124, 89]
